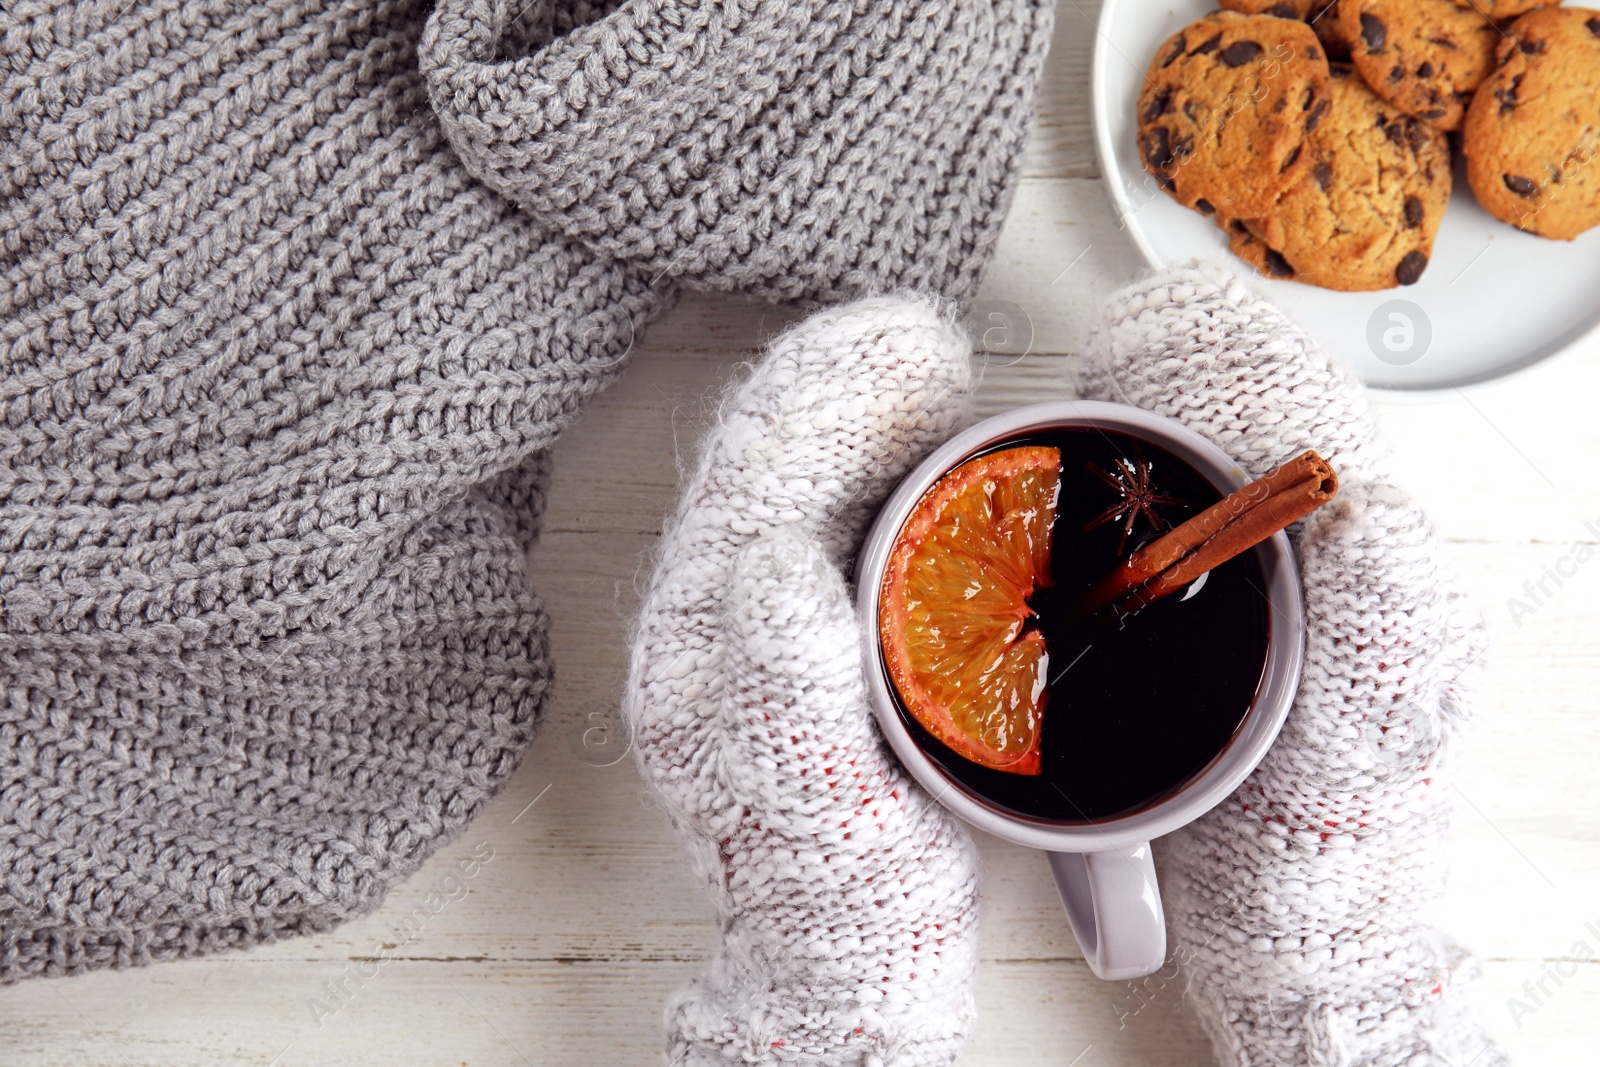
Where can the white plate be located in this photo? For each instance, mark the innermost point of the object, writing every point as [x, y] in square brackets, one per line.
[1493, 299]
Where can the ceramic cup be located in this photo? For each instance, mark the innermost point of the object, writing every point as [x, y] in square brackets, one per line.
[1102, 868]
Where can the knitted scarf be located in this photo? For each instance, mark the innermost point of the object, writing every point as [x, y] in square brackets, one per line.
[295, 295]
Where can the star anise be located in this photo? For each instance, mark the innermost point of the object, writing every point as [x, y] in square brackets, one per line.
[1136, 497]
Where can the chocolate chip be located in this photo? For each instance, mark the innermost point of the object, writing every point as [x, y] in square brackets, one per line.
[1432, 113]
[1425, 71]
[1313, 55]
[1373, 32]
[1205, 207]
[1294, 157]
[1239, 228]
[1277, 265]
[1413, 212]
[1208, 46]
[1417, 137]
[1508, 95]
[1283, 11]
[1178, 45]
[1182, 149]
[1323, 173]
[1159, 105]
[1411, 268]
[1397, 73]
[1594, 26]
[1531, 47]
[1316, 115]
[1396, 133]
[1310, 98]
[1239, 53]
[1520, 186]
[1156, 145]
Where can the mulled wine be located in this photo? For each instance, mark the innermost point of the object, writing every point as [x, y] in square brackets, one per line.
[1139, 702]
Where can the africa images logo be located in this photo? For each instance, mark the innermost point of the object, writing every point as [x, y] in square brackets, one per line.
[1399, 332]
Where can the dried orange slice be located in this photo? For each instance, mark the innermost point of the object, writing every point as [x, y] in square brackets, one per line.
[953, 611]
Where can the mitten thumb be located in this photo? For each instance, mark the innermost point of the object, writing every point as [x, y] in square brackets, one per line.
[797, 724]
[1197, 345]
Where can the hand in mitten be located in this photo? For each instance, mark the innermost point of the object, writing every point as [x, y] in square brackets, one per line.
[845, 896]
[1298, 903]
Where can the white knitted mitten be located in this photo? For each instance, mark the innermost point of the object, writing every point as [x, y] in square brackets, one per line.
[1297, 907]
[846, 897]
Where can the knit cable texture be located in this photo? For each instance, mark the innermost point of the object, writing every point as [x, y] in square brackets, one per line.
[790, 150]
[846, 897]
[294, 296]
[1298, 905]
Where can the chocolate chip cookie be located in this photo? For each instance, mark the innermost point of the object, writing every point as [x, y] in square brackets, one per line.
[1533, 131]
[1423, 56]
[1225, 110]
[1365, 215]
[1284, 9]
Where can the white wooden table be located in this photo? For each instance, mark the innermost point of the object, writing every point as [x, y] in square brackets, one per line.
[566, 942]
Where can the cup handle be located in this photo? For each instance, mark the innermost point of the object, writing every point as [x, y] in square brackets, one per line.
[1114, 906]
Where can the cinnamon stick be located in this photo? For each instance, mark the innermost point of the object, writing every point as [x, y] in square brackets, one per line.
[1233, 525]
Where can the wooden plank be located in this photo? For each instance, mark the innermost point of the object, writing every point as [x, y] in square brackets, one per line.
[547, 1013]
[1062, 141]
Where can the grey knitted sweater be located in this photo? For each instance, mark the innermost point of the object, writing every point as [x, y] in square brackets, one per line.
[294, 297]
